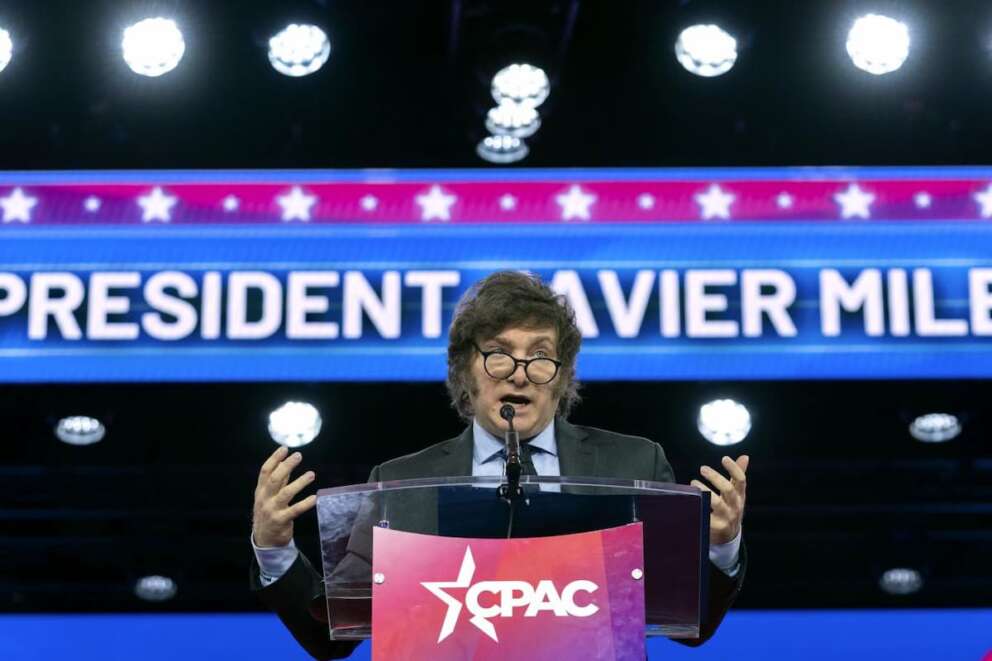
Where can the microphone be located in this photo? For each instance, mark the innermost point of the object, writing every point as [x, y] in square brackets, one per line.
[511, 440]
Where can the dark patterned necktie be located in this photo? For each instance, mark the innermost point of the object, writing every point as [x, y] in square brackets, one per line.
[526, 462]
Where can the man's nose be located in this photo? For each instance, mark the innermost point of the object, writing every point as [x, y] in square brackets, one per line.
[518, 376]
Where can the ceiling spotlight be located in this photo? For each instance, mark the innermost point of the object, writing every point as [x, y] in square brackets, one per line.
[155, 588]
[299, 50]
[878, 44]
[153, 47]
[502, 149]
[294, 424]
[521, 83]
[935, 427]
[901, 581]
[80, 430]
[724, 422]
[706, 50]
[519, 120]
[6, 49]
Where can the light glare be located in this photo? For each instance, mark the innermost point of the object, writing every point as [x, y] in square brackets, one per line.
[502, 149]
[153, 47]
[521, 83]
[935, 427]
[878, 44]
[724, 422]
[706, 50]
[519, 120]
[6, 49]
[299, 50]
[80, 430]
[294, 424]
[901, 581]
[155, 588]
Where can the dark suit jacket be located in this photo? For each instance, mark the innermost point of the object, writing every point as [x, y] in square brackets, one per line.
[582, 451]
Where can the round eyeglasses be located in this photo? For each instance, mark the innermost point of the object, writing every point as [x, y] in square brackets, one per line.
[501, 365]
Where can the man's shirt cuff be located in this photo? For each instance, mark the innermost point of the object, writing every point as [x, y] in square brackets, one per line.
[727, 556]
[274, 561]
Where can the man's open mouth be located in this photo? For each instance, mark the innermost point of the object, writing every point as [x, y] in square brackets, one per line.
[516, 400]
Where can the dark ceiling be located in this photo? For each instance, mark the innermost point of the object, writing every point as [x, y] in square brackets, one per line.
[407, 85]
[838, 492]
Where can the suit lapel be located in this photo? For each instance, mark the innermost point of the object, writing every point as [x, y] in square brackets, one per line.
[576, 455]
[456, 459]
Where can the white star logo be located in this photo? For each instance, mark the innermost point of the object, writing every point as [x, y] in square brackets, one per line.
[645, 201]
[296, 204]
[922, 200]
[231, 203]
[507, 202]
[854, 202]
[157, 205]
[92, 204]
[984, 199]
[464, 580]
[575, 203]
[17, 206]
[784, 201]
[369, 203]
[715, 203]
[436, 204]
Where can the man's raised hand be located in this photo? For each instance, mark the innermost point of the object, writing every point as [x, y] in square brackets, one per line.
[726, 498]
[273, 516]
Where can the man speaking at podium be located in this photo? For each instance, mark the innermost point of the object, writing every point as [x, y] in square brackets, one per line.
[512, 341]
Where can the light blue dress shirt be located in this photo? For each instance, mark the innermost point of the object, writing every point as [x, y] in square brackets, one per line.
[487, 459]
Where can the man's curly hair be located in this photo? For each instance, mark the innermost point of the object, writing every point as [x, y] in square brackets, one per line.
[503, 300]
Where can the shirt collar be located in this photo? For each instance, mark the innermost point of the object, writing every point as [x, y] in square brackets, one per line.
[485, 446]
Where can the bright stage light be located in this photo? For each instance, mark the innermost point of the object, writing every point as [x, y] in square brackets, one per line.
[901, 581]
[518, 120]
[80, 430]
[935, 427]
[724, 422]
[155, 588]
[502, 149]
[299, 50]
[6, 49]
[521, 83]
[294, 424]
[153, 47]
[706, 50]
[878, 44]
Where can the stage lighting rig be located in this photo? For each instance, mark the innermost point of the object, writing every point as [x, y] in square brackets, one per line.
[6, 49]
[706, 50]
[299, 50]
[878, 44]
[724, 422]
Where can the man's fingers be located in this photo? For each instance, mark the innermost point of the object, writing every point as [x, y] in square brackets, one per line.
[714, 496]
[271, 463]
[279, 476]
[288, 492]
[302, 506]
[743, 461]
[716, 479]
[734, 469]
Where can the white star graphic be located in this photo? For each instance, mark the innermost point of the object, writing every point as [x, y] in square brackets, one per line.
[369, 203]
[507, 202]
[922, 200]
[17, 206]
[984, 199]
[157, 205]
[436, 204]
[296, 204]
[714, 203]
[784, 201]
[645, 201]
[437, 588]
[92, 204]
[231, 203]
[854, 202]
[575, 203]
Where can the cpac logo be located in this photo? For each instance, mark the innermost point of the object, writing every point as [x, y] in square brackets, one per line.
[503, 597]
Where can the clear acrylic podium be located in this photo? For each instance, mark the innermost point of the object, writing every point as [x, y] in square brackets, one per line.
[674, 520]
